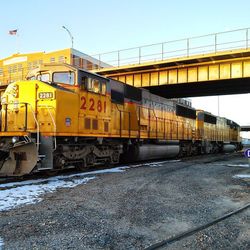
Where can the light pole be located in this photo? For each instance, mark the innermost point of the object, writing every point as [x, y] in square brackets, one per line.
[71, 37]
[218, 105]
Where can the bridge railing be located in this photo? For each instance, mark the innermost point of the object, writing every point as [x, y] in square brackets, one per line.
[197, 45]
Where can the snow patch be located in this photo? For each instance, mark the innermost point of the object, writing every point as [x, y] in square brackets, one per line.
[16, 194]
[1, 243]
[28, 194]
[62, 177]
[239, 165]
[161, 163]
[242, 176]
[152, 164]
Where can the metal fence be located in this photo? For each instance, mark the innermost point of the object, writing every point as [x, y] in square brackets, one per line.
[198, 45]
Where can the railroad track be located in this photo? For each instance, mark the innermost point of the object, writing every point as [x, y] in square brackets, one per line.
[191, 160]
[168, 241]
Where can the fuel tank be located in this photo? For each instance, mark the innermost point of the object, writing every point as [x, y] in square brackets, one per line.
[228, 148]
[150, 152]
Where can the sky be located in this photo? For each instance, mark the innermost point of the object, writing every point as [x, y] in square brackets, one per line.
[101, 26]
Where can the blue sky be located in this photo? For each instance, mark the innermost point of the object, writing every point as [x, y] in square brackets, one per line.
[100, 26]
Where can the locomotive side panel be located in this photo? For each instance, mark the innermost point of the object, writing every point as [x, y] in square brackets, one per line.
[66, 113]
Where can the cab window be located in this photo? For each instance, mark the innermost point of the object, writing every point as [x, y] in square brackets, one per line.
[84, 82]
[90, 85]
[93, 85]
[104, 88]
[64, 77]
[43, 77]
[96, 86]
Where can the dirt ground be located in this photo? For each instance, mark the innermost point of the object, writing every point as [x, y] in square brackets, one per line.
[141, 206]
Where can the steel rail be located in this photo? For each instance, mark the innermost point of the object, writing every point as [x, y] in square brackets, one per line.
[196, 229]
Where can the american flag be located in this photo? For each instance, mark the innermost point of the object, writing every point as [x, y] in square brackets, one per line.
[12, 32]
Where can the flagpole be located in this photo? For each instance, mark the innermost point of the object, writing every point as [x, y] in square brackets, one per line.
[14, 32]
[18, 42]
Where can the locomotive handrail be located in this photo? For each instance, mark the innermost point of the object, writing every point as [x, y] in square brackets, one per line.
[186, 127]
[129, 125]
[26, 118]
[156, 117]
[36, 121]
[38, 128]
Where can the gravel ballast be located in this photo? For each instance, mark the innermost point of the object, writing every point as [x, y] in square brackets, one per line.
[138, 208]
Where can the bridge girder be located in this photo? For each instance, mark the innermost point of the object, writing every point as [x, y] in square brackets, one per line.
[227, 72]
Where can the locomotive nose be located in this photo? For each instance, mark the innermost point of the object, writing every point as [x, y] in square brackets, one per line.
[19, 159]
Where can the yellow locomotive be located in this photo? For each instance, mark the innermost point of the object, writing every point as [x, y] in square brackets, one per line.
[64, 117]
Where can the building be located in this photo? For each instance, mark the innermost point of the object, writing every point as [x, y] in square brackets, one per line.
[16, 67]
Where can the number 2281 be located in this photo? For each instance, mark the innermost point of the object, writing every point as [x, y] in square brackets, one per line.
[99, 106]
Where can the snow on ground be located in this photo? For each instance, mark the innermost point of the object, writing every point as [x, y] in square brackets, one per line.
[1, 243]
[28, 194]
[242, 176]
[153, 164]
[16, 194]
[21, 193]
[239, 165]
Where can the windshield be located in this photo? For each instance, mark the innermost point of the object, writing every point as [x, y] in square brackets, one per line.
[64, 77]
[43, 77]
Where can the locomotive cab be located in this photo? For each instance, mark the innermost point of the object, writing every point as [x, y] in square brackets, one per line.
[70, 77]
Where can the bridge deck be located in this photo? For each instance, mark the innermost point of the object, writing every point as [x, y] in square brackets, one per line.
[223, 70]
[245, 128]
[227, 72]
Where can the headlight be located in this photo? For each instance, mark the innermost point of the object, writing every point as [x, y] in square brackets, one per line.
[15, 139]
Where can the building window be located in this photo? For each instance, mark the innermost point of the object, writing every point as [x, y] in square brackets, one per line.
[14, 68]
[52, 59]
[29, 66]
[89, 65]
[76, 61]
[20, 67]
[10, 69]
[61, 59]
[35, 64]
[40, 62]
[1, 71]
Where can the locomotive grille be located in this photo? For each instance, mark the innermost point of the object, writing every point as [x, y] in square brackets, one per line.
[87, 123]
[106, 126]
[95, 124]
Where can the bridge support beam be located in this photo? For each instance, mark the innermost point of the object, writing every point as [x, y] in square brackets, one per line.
[227, 72]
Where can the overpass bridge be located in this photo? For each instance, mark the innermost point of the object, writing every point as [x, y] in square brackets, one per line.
[214, 64]
[245, 128]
